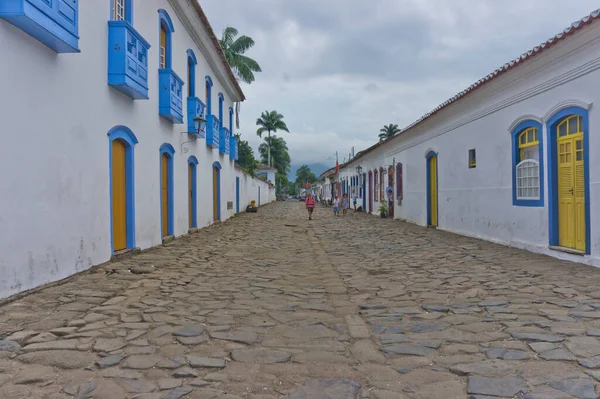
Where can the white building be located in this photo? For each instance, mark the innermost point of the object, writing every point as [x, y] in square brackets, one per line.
[511, 159]
[266, 172]
[101, 152]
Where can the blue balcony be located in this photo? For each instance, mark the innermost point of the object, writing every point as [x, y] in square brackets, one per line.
[127, 60]
[224, 141]
[52, 22]
[233, 151]
[170, 96]
[212, 131]
[195, 108]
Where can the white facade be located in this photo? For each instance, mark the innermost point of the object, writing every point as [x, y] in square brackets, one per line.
[57, 110]
[268, 173]
[562, 79]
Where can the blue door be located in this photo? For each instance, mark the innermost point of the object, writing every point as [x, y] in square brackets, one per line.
[364, 192]
[237, 195]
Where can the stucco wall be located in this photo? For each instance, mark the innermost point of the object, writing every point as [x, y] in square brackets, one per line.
[478, 202]
[57, 110]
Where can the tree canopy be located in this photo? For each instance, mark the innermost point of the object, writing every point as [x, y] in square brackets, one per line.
[388, 131]
[304, 175]
[234, 49]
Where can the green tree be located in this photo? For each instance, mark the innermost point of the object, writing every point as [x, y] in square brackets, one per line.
[388, 131]
[234, 49]
[246, 158]
[270, 122]
[277, 149]
[304, 175]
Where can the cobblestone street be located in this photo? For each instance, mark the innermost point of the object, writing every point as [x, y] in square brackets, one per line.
[270, 305]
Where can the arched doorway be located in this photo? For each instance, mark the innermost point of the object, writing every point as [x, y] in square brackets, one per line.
[192, 192]
[432, 189]
[390, 191]
[166, 190]
[216, 169]
[122, 204]
[568, 178]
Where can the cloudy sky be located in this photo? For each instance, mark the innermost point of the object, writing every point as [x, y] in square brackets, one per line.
[338, 70]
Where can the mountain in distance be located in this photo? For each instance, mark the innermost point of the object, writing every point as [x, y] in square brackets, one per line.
[316, 168]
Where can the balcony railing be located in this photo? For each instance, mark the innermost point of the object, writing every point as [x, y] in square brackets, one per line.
[233, 150]
[212, 131]
[170, 99]
[195, 108]
[127, 60]
[224, 141]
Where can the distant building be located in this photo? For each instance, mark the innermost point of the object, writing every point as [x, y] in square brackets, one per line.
[267, 172]
[514, 158]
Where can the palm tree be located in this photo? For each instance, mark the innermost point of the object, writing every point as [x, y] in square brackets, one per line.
[234, 49]
[388, 131]
[270, 122]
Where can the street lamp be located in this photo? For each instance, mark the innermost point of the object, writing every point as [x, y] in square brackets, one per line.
[358, 170]
[199, 123]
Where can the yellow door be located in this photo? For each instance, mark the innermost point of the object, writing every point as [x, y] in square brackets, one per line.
[215, 196]
[119, 196]
[571, 185]
[164, 190]
[191, 193]
[433, 195]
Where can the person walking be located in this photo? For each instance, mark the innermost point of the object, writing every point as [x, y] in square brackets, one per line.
[336, 206]
[310, 205]
[354, 200]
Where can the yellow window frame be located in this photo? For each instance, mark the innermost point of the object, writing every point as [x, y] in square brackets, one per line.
[525, 142]
[472, 158]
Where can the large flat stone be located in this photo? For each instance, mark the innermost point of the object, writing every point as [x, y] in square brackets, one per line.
[108, 345]
[583, 389]
[327, 389]
[199, 362]
[245, 337]
[9, 346]
[311, 332]
[136, 386]
[140, 362]
[110, 361]
[63, 359]
[557, 354]
[506, 354]
[583, 346]
[506, 387]
[67, 344]
[413, 350]
[590, 362]
[533, 337]
[260, 356]
[190, 331]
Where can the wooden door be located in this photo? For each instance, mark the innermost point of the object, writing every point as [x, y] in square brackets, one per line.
[119, 195]
[191, 194]
[571, 184]
[433, 191]
[164, 190]
[215, 194]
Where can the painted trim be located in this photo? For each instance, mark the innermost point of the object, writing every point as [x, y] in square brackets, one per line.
[430, 154]
[192, 160]
[126, 135]
[524, 118]
[208, 85]
[168, 149]
[221, 100]
[551, 125]
[564, 105]
[371, 191]
[191, 63]
[516, 158]
[217, 165]
[231, 120]
[128, 11]
[164, 18]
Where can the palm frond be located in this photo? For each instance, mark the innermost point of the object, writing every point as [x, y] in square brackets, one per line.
[242, 71]
[241, 44]
[229, 35]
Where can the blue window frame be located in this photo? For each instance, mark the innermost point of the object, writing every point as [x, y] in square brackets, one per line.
[121, 10]
[127, 52]
[193, 197]
[231, 120]
[527, 164]
[166, 31]
[54, 23]
[195, 107]
[221, 100]
[208, 85]
[170, 84]
[192, 62]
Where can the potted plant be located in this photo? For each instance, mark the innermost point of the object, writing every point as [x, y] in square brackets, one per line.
[383, 209]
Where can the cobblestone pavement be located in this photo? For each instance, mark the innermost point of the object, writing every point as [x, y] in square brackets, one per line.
[271, 305]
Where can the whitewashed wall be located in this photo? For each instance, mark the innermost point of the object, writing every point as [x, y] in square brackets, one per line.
[478, 202]
[57, 110]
